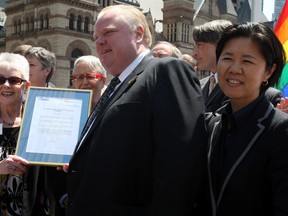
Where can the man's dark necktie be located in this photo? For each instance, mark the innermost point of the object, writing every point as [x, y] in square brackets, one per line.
[103, 99]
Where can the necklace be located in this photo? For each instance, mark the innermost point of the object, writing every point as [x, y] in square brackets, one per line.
[16, 120]
[10, 123]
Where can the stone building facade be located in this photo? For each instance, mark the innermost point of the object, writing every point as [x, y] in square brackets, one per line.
[61, 26]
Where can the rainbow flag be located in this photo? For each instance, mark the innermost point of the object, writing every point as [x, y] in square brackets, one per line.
[283, 81]
[281, 31]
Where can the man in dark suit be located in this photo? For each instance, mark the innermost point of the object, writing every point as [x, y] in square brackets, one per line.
[206, 38]
[143, 152]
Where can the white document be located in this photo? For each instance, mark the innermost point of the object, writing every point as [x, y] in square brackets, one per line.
[54, 126]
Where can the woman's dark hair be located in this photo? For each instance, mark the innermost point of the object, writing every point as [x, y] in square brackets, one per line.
[268, 43]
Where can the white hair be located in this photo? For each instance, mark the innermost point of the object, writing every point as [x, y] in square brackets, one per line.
[93, 63]
[17, 62]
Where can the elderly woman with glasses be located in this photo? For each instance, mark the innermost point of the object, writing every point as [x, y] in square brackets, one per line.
[24, 190]
[88, 73]
[14, 76]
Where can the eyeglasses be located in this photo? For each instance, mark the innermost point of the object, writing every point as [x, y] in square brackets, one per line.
[11, 80]
[88, 77]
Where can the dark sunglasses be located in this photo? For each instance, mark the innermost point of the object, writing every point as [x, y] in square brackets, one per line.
[11, 80]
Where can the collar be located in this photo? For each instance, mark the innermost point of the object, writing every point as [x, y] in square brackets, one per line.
[240, 117]
[132, 66]
[216, 77]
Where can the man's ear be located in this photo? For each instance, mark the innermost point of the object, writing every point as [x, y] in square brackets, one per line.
[139, 33]
[269, 73]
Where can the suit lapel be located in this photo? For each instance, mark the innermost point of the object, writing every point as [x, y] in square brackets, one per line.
[116, 95]
[257, 116]
[210, 98]
[127, 83]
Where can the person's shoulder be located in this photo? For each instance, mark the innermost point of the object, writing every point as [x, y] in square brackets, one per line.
[170, 67]
[280, 115]
[278, 123]
[167, 59]
[51, 85]
[273, 95]
[169, 62]
[272, 91]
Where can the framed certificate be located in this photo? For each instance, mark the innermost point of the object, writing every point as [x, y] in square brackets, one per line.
[52, 122]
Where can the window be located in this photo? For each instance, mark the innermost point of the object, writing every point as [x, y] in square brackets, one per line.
[71, 22]
[41, 23]
[46, 21]
[79, 21]
[19, 26]
[74, 55]
[86, 25]
[172, 30]
[185, 33]
[15, 27]
[27, 23]
[31, 24]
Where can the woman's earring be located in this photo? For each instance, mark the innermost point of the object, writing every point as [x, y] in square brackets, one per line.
[265, 83]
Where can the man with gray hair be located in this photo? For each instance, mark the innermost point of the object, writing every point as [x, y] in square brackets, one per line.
[42, 65]
[163, 49]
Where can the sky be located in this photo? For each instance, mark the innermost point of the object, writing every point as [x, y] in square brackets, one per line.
[268, 9]
[155, 8]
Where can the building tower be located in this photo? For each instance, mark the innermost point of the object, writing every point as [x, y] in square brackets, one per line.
[178, 22]
[179, 19]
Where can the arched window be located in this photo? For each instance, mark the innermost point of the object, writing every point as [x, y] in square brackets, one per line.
[19, 26]
[31, 24]
[46, 21]
[41, 23]
[74, 55]
[79, 21]
[71, 22]
[86, 25]
[15, 27]
[27, 23]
